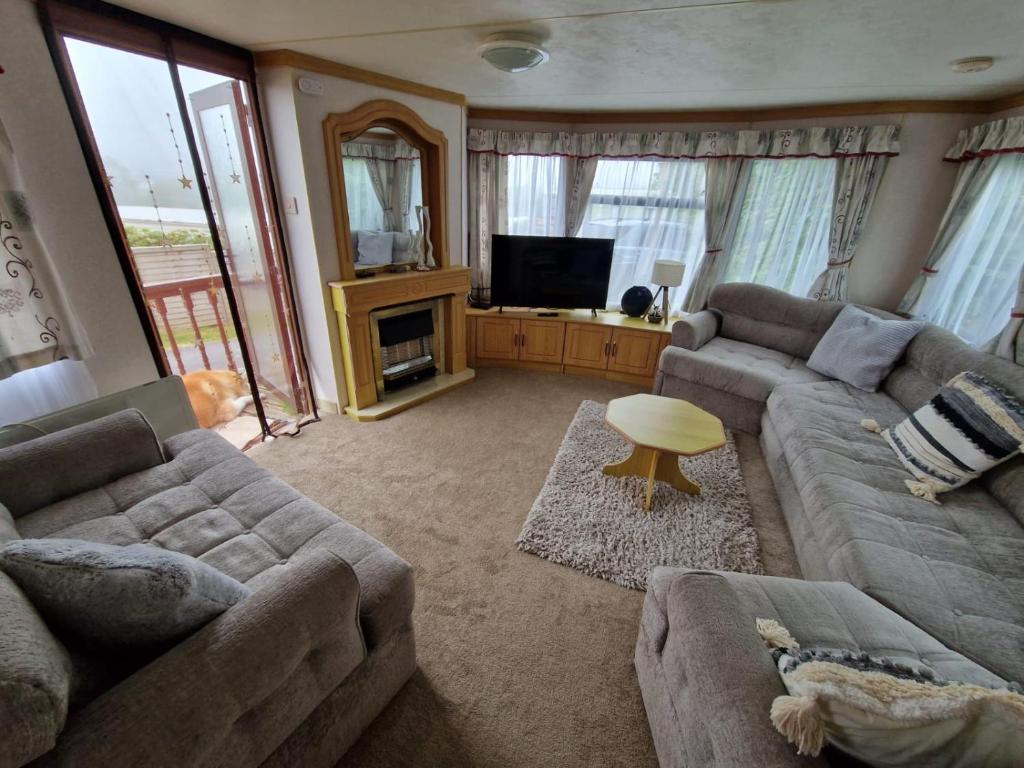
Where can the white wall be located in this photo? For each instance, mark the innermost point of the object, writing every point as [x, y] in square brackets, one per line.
[64, 204]
[911, 200]
[295, 127]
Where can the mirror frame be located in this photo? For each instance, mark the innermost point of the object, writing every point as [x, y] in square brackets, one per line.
[433, 147]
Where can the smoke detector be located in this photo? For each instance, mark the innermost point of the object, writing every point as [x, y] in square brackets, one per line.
[972, 64]
[512, 52]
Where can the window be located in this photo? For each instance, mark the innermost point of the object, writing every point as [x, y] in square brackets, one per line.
[655, 210]
[172, 137]
[782, 236]
[536, 195]
[364, 210]
[974, 290]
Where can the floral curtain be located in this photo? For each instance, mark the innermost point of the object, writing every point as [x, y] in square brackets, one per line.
[580, 180]
[726, 185]
[488, 215]
[975, 270]
[793, 142]
[37, 323]
[855, 189]
[390, 165]
[582, 151]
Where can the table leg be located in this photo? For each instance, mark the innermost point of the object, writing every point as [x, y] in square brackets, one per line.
[653, 465]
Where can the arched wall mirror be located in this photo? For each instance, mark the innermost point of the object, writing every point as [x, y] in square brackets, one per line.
[388, 173]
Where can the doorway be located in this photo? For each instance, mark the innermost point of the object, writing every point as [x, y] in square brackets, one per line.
[176, 145]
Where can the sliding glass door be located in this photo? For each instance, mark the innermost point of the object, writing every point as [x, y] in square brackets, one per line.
[176, 150]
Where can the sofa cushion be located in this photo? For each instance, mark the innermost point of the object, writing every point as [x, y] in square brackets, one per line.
[88, 456]
[736, 367]
[214, 503]
[835, 615]
[953, 570]
[860, 348]
[132, 596]
[933, 358]
[35, 679]
[772, 318]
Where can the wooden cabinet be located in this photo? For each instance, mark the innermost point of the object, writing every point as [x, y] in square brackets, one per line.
[608, 345]
[540, 341]
[634, 352]
[509, 338]
[497, 338]
[587, 346]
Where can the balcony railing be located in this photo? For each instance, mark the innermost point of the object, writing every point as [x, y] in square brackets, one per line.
[178, 304]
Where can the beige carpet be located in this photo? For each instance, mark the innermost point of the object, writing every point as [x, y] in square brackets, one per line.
[522, 662]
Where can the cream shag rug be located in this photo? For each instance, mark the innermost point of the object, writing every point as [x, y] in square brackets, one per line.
[596, 523]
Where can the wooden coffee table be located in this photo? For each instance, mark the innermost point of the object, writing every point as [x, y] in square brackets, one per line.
[661, 429]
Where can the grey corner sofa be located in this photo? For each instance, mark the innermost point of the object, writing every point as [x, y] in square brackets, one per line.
[890, 574]
[289, 676]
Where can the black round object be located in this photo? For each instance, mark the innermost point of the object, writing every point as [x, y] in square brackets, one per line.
[636, 300]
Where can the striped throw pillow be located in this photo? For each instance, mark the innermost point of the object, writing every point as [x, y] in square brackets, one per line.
[968, 427]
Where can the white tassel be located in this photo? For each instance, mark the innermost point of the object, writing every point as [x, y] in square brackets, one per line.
[775, 635]
[923, 490]
[872, 425]
[799, 720]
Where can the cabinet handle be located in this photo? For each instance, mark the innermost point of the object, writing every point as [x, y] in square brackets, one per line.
[522, 340]
[615, 349]
[607, 348]
[515, 339]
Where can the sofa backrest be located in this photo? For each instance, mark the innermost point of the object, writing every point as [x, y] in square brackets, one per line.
[772, 318]
[71, 461]
[934, 357]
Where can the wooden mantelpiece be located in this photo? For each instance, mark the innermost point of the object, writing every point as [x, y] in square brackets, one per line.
[353, 301]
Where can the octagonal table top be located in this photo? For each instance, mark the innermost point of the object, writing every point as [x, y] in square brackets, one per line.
[665, 424]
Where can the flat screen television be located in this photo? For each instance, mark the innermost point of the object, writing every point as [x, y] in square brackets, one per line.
[550, 272]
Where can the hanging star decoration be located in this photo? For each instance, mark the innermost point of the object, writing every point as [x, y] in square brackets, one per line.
[186, 182]
[159, 218]
[235, 176]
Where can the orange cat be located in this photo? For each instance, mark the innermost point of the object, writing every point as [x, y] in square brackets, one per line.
[217, 397]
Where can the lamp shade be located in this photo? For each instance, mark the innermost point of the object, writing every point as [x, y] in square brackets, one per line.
[668, 273]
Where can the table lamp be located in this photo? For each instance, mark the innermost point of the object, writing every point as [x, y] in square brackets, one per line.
[666, 274]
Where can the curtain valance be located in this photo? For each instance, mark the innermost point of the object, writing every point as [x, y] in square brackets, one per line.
[881, 140]
[995, 138]
[376, 150]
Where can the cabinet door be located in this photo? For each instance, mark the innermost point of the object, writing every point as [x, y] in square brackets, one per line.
[540, 341]
[635, 352]
[497, 338]
[587, 346]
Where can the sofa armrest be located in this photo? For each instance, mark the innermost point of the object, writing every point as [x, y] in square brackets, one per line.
[696, 330]
[729, 675]
[233, 691]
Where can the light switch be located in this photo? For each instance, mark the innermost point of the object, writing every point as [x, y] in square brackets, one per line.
[291, 205]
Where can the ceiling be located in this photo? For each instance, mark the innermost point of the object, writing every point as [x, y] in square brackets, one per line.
[645, 54]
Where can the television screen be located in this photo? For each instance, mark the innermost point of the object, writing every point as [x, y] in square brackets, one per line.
[550, 272]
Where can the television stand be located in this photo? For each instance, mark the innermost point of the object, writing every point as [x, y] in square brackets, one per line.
[607, 345]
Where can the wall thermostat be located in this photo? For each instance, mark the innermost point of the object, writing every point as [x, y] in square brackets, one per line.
[311, 86]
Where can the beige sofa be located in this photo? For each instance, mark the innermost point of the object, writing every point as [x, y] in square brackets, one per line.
[289, 676]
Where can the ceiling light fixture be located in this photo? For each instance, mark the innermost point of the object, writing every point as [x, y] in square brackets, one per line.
[512, 52]
[972, 64]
